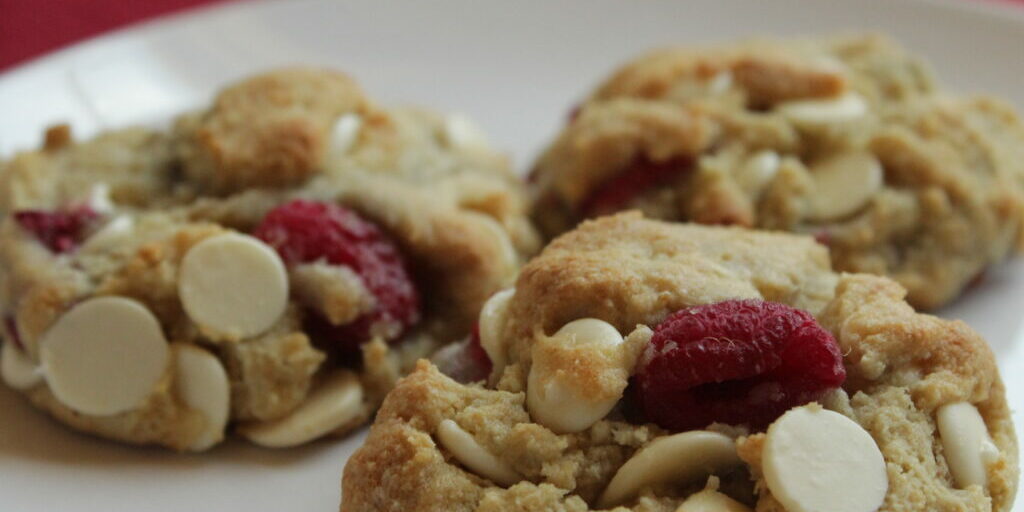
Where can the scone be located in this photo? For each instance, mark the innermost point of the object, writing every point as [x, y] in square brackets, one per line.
[639, 365]
[270, 265]
[845, 139]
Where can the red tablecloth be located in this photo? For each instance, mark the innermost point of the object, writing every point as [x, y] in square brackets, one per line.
[29, 28]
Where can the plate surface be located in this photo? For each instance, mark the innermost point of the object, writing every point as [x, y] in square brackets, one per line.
[516, 67]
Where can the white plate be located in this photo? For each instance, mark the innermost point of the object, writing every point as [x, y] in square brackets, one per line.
[514, 66]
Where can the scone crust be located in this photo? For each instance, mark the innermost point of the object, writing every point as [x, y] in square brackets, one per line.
[267, 131]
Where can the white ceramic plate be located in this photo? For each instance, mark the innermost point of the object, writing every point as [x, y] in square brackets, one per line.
[514, 66]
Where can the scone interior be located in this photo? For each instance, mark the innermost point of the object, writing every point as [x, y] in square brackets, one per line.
[848, 139]
[597, 326]
[271, 265]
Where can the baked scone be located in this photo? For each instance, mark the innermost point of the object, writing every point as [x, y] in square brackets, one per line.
[846, 139]
[639, 365]
[270, 265]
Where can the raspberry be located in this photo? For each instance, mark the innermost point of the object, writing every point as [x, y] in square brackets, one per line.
[638, 178]
[61, 230]
[307, 231]
[464, 362]
[735, 362]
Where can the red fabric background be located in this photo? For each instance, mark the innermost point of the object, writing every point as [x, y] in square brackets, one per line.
[29, 28]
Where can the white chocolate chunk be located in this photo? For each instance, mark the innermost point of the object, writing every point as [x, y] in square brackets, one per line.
[17, 369]
[680, 458]
[233, 285]
[462, 133]
[104, 356]
[710, 500]
[843, 184]
[817, 460]
[345, 133]
[556, 395]
[758, 171]
[469, 453]
[336, 403]
[202, 384]
[493, 317]
[966, 443]
[815, 113]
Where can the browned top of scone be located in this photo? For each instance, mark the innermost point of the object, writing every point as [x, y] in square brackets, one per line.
[770, 70]
[269, 130]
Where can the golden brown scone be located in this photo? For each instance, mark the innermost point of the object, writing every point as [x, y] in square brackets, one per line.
[500, 445]
[318, 241]
[846, 139]
[769, 71]
[270, 130]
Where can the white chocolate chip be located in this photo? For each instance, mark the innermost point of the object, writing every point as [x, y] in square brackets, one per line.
[830, 64]
[817, 460]
[335, 291]
[721, 82]
[345, 133]
[99, 198]
[843, 184]
[462, 133]
[493, 317]
[17, 369]
[202, 384]
[556, 395]
[506, 251]
[118, 229]
[966, 443]
[680, 458]
[104, 356]
[336, 403]
[758, 171]
[816, 113]
[710, 500]
[233, 285]
[469, 453]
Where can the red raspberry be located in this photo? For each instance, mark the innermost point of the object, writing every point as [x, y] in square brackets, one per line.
[307, 231]
[613, 195]
[735, 362]
[61, 230]
[465, 362]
